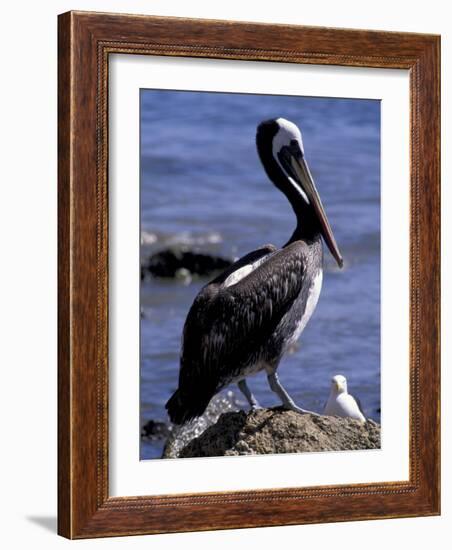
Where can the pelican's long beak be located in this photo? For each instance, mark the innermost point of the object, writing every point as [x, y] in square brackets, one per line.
[293, 159]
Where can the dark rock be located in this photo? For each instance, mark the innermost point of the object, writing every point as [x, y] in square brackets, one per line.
[167, 263]
[156, 430]
[272, 431]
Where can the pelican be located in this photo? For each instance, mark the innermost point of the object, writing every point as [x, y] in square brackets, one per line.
[244, 320]
[341, 403]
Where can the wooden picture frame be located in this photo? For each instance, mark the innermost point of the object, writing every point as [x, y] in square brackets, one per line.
[85, 42]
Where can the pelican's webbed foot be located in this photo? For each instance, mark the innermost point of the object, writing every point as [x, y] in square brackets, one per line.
[243, 387]
[287, 401]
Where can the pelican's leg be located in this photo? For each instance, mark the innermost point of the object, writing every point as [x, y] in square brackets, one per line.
[243, 387]
[287, 401]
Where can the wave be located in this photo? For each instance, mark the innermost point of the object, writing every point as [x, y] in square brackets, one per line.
[184, 238]
[223, 402]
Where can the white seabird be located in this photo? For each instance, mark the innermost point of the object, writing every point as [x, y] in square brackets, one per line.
[341, 403]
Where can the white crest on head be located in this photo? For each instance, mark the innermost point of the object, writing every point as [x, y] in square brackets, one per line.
[287, 132]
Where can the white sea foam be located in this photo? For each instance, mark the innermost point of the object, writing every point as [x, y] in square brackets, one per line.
[185, 238]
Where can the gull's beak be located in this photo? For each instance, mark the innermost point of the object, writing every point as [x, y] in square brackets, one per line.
[293, 160]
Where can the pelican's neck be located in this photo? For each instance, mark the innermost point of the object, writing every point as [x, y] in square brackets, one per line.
[308, 227]
[305, 230]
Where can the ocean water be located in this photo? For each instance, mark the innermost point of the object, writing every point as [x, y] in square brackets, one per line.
[202, 186]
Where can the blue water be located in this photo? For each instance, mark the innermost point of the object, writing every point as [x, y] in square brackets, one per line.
[202, 185]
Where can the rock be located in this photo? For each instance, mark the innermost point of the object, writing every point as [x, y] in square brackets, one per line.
[154, 429]
[272, 431]
[172, 263]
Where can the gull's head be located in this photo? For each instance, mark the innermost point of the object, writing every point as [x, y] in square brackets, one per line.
[339, 384]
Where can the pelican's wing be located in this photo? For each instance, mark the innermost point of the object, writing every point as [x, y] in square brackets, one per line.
[249, 261]
[226, 324]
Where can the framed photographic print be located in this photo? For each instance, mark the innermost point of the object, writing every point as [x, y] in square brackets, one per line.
[248, 275]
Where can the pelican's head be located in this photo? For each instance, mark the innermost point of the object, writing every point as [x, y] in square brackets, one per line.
[280, 148]
[339, 384]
